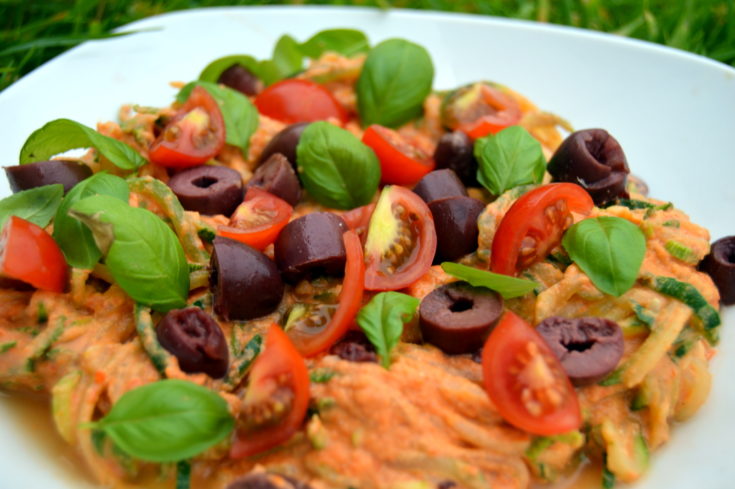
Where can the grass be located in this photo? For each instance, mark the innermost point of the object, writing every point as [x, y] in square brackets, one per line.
[34, 31]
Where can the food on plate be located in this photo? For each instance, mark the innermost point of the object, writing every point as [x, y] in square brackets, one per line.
[314, 271]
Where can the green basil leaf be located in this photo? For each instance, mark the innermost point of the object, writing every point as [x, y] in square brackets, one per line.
[61, 135]
[73, 237]
[336, 168]
[214, 70]
[142, 253]
[394, 82]
[504, 285]
[382, 320]
[609, 250]
[508, 159]
[347, 42]
[167, 421]
[37, 205]
[287, 56]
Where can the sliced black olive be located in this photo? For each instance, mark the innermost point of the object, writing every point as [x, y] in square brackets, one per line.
[196, 340]
[208, 189]
[241, 79]
[593, 159]
[263, 480]
[455, 151]
[245, 283]
[311, 246]
[457, 317]
[277, 176]
[439, 184]
[720, 265]
[354, 347]
[66, 172]
[589, 348]
[285, 142]
[455, 219]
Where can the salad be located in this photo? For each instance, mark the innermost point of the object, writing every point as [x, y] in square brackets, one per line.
[338, 277]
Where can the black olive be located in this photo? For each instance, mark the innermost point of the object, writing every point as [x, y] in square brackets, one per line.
[262, 480]
[720, 265]
[457, 317]
[277, 176]
[196, 340]
[208, 189]
[241, 79]
[439, 184]
[455, 151]
[355, 347]
[285, 142]
[455, 219]
[245, 283]
[593, 159]
[588, 348]
[448, 484]
[66, 172]
[310, 246]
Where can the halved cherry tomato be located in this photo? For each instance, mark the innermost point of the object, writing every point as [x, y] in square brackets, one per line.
[276, 399]
[358, 219]
[295, 100]
[258, 220]
[30, 254]
[401, 163]
[480, 109]
[525, 380]
[401, 240]
[194, 135]
[310, 341]
[534, 224]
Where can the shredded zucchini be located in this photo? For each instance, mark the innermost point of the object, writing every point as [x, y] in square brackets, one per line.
[681, 252]
[147, 334]
[242, 362]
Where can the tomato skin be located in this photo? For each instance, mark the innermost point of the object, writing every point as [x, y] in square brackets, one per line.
[400, 162]
[358, 219]
[295, 100]
[538, 217]
[506, 351]
[500, 111]
[263, 206]
[195, 135]
[279, 365]
[30, 254]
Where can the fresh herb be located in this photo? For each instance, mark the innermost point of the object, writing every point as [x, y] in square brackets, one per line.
[347, 42]
[394, 82]
[183, 474]
[7, 346]
[509, 159]
[633, 204]
[382, 320]
[242, 361]
[265, 70]
[167, 421]
[336, 168]
[608, 478]
[37, 205]
[504, 285]
[42, 353]
[41, 313]
[673, 223]
[684, 342]
[287, 56]
[642, 315]
[61, 135]
[98, 441]
[206, 234]
[609, 250]
[319, 375]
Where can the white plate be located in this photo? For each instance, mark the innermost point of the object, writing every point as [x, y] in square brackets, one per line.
[673, 112]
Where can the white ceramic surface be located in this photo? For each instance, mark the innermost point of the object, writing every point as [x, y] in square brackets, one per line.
[674, 113]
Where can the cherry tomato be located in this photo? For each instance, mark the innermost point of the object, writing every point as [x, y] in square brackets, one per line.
[401, 240]
[480, 109]
[276, 399]
[400, 162]
[258, 220]
[311, 341]
[525, 380]
[295, 100]
[358, 219]
[194, 135]
[534, 225]
[30, 254]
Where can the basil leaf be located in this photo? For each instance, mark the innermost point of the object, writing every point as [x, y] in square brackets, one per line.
[167, 421]
[61, 135]
[347, 42]
[239, 114]
[142, 253]
[504, 285]
[287, 56]
[336, 168]
[382, 320]
[73, 237]
[609, 250]
[214, 70]
[37, 205]
[394, 81]
[508, 159]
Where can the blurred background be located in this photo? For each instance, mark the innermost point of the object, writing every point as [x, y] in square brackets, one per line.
[33, 31]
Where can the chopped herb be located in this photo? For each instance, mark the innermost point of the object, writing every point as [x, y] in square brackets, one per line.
[195, 267]
[560, 258]
[43, 352]
[321, 375]
[206, 235]
[7, 346]
[662, 207]
[41, 313]
[673, 223]
[608, 479]
[642, 315]
[634, 204]
[183, 475]
[98, 441]
[243, 361]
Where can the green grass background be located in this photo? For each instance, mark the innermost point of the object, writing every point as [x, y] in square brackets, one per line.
[34, 31]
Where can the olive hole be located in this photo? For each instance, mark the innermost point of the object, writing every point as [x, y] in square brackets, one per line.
[462, 304]
[204, 182]
[579, 345]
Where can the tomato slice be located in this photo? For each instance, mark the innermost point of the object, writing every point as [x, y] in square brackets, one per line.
[295, 100]
[258, 220]
[358, 219]
[401, 240]
[276, 399]
[480, 109]
[400, 162]
[310, 341]
[534, 225]
[30, 254]
[194, 135]
[525, 380]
